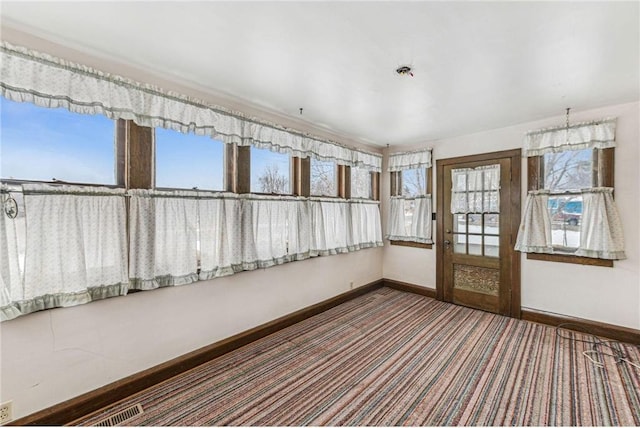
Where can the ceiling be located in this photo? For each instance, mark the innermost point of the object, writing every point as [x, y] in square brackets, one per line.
[476, 65]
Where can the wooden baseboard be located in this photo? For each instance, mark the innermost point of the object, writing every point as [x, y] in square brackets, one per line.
[75, 408]
[623, 334]
[410, 288]
[615, 332]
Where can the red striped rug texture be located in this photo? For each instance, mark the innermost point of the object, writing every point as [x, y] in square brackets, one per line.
[394, 358]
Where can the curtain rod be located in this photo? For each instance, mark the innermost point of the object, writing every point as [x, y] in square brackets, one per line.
[575, 125]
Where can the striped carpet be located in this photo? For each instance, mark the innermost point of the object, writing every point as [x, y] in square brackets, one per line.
[394, 358]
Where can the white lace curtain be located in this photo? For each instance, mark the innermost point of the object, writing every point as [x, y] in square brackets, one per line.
[238, 232]
[52, 82]
[599, 134]
[534, 235]
[475, 190]
[410, 219]
[220, 236]
[163, 238]
[276, 231]
[601, 229]
[76, 249]
[600, 226]
[366, 230]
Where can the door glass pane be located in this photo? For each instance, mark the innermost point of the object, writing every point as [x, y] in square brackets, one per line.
[460, 223]
[459, 243]
[492, 224]
[475, 223]
[475, 245]
[491, 246]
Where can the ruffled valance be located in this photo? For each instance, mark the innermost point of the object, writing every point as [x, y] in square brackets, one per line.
[52, 82]
[599, 134]
[410, 160]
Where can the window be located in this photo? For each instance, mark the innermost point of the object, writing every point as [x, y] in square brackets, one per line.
[270, 172]
[411, 206]
[323, 178]
[187, 161]
[565, 174]
[570, 214]
[42, 143]
[360, 183]
[475, 205]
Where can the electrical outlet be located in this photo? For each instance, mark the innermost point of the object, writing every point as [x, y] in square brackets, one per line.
[6, 413]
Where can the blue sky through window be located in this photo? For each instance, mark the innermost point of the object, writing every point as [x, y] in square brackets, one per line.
[186, 160]
[39, 143]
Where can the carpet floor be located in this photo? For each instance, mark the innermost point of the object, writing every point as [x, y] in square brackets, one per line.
[395, 358]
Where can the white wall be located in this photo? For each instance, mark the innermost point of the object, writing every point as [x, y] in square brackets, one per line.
[55, 355]
[610, 295]
[51, 356]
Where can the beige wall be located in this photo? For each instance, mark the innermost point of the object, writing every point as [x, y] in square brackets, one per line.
[51, 356]
[610, 295]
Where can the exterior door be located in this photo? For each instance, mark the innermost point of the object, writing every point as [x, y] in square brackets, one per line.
[476, 261]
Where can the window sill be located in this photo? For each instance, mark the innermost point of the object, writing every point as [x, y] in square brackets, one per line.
[566, 258]
[411, 244]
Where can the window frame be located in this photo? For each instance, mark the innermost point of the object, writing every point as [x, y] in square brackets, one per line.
[604, 160]
[396, 190]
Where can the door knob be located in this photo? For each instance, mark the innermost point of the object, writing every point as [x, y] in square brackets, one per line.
[447, 242]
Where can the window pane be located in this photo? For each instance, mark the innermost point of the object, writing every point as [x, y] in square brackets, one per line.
[492, 224]
[475, 245]
[460, 223]
[568, 170]
[475, 223]
[491, 246]
[414, 182]
[360, 183]
[323, 178]
[459, 243]
[41, 143]
[566, 214]
[185, 161]
[270, 171]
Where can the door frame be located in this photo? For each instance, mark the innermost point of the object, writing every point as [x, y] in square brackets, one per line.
[514, 220]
